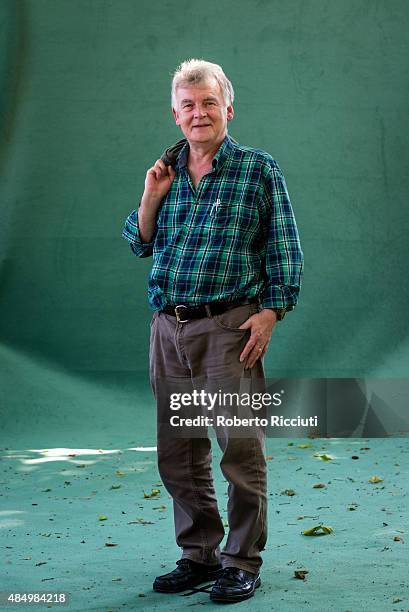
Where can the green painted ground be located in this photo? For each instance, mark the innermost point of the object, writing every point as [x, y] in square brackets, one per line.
[73, 451]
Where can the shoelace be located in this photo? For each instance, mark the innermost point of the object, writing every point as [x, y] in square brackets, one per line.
[186, 562]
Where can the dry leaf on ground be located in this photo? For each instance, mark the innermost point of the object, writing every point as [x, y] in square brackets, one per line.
[300, 574]
[318, 530]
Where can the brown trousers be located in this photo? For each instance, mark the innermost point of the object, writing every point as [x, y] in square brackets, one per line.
[205, 351]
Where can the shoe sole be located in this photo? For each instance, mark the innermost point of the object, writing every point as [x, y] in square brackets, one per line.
[235, 598]
[193, 583]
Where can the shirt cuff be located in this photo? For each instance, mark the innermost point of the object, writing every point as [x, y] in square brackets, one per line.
[279, 296]
[132, 235]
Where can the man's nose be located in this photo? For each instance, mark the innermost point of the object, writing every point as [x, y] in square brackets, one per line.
[200, 111]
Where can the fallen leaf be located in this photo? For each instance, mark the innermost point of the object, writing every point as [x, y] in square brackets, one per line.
[110, 544]
[269, 457]
[319, 485]
[300, 574]
[153, 493]
[102, 517]
[120, 473]
[305, 446]
[116, 486]
[354, 457]
[397, 539]
[160, 508]
[323, 457]
[141, 521]
[289, 492]
[318, 530]
[375, 479]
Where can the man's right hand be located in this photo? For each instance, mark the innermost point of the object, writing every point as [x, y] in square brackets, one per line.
[158, 180]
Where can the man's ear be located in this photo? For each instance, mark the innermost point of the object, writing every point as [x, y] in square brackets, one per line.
[176, 116]
[230, 113]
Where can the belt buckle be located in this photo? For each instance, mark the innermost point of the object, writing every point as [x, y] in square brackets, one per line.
[178, 319]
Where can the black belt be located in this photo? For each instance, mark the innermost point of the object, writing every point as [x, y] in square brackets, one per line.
[185, 313]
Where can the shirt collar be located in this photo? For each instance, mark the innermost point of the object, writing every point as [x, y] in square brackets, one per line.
[218, 160]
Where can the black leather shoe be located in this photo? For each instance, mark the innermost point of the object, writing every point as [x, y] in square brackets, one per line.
[234, 584]
[188, 574]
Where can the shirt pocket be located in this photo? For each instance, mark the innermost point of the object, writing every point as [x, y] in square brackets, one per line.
[234, 217]
[223, 214]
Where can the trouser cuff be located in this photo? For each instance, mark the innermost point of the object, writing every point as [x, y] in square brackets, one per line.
[241, 565]
[204, 560]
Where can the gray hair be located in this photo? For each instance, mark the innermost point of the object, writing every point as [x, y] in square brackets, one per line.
[194, 71]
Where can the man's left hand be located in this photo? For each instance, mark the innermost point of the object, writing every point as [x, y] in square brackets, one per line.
[261, 326]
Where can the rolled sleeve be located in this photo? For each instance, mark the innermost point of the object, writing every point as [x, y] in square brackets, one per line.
[132, 235]
[284, 261]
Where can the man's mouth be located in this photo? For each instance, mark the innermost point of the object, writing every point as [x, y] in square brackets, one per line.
[203, 125]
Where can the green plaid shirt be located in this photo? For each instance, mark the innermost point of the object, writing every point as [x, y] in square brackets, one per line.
[234, 236]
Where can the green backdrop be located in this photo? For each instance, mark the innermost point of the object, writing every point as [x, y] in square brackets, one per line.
[322, 85]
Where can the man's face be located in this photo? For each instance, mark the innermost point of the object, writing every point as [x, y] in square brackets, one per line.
[201, 112]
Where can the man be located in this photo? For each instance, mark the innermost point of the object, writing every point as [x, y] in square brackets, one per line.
[227, 265]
